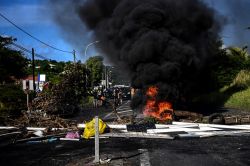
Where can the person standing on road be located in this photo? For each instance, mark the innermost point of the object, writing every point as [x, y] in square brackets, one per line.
[95, 100]
[99, 95]
[115, 95]
[132, 93]
[119, 96]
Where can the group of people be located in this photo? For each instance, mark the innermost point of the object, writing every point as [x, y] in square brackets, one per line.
[100, 97]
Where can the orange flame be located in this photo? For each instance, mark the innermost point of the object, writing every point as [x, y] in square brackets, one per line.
[152, 91]
[160, 110]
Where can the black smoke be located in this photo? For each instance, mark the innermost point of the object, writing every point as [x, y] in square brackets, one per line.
[167, 43]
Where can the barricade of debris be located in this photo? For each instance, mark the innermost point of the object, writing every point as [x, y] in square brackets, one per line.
[37, 127]
[40, 119]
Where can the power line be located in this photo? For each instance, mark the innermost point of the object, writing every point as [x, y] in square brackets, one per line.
[28, 51]
[27, 33]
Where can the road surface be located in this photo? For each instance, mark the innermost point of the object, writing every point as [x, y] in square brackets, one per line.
[216, 151]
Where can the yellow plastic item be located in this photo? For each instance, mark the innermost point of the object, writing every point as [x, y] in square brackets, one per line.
[89, 130]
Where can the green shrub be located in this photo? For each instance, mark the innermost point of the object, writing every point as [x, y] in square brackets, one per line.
[239, 100]
[242, 80]
[12, 100]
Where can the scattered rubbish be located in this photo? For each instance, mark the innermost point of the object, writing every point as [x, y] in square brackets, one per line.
[43, 141]
[72, 135]
[216, 119]
[140, 127]
[38, 133]
[187, 115]
[40, 138]
[89, 130]
[105, 161]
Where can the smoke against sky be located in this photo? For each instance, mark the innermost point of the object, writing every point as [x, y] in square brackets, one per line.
[235, 20]
[39, 22]
[163, 42]
[166, 43]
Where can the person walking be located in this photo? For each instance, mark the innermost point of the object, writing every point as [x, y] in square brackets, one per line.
[115, 95]
[95, 100]
[120, 97]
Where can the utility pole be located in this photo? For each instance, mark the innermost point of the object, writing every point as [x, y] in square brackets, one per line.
[33, 68]
[107, 77]
[74, 54]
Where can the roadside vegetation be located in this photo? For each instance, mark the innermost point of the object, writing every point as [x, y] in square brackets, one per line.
[68, 89]
[233, 81]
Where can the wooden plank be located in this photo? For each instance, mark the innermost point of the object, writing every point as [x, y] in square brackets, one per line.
[9, 134]
[7, 127]
[69, 139]
[30, 128]
[223, 133]
[43, 128]
[239, 127]
[181, 129]
[137, 135]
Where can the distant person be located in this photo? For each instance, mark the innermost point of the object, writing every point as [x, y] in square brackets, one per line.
[132, 93]
[119, 95]
[115, 95]
[95, 100]
[104, 102]
[99, 95]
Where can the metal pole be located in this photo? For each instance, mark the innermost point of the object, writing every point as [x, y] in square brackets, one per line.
[74, 54]
[33, 68]
[106, 70]
[86, 67]
[86, 48]
[28, 100]
[97, 154]
[38, 80]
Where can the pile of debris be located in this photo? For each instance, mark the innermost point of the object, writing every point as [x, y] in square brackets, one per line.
[40, 119]
[56, 101]
[35, 126]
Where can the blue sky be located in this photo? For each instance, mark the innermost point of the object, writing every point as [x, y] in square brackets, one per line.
[34, 16]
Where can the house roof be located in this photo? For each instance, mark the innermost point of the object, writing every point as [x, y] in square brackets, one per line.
[30, 77]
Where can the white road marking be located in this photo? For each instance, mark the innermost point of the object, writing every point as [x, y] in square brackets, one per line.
[144, 157]
[125, 111]
[108, 115]
[120, 110]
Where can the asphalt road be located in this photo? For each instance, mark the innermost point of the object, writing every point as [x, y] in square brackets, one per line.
[216, 151]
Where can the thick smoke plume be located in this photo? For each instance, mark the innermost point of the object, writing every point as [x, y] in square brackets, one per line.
[167, 43]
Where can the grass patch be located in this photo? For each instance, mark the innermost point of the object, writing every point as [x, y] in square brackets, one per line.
[87, 102]
[236, 95]
[239, 100]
